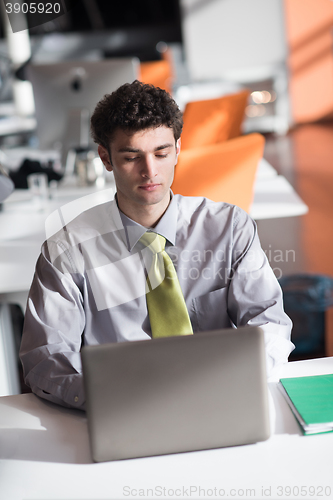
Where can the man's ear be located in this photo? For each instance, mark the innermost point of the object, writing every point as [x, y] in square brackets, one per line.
[178, 145]
[105, 157]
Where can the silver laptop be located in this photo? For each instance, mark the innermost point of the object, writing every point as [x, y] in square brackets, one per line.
[176, 394]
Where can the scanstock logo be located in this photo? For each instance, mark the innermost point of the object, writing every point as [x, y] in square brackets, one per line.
[23, 14]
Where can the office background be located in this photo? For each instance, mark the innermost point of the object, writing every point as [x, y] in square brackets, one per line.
[281, 50]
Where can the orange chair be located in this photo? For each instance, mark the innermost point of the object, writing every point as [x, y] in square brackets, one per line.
[158, 73]
[213, 120]
[221, 172]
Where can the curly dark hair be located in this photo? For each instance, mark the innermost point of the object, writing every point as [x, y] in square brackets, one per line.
[132, 107]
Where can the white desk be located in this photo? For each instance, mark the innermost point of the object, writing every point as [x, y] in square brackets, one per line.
[23, 227]
[274, 196]
[44, 454]
[17, 125]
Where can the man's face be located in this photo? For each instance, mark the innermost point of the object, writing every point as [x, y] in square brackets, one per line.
[143, 165]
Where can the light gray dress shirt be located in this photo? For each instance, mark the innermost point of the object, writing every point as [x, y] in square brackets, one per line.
[90, 283]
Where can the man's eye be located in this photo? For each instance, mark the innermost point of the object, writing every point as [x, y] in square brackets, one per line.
[133, 158]
[162, 156]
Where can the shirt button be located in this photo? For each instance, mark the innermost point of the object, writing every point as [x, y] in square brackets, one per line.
[76, 399]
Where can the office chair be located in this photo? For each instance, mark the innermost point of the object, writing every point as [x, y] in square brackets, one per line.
[221, 172]
[157, 73]
[213, 120]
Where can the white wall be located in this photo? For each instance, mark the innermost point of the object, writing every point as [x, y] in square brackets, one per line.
[227, 35]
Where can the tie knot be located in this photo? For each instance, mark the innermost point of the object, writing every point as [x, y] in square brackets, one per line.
[154, 241]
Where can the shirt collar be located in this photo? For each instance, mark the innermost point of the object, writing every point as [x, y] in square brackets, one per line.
[166, 226]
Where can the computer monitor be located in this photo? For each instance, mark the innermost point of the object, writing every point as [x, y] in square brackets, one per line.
[66, 94]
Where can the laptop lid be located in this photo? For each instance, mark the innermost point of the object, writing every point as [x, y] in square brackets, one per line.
[176, 394]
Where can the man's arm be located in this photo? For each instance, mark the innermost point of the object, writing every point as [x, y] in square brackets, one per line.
[52, 333]
[255, 296]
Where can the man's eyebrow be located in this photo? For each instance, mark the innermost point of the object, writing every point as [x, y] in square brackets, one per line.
[128, 149]
[164, 146]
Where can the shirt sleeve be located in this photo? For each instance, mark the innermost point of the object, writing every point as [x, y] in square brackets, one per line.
[255, 296]
[52, 332]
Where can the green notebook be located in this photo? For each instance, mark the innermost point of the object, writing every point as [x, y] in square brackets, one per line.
[311, 400]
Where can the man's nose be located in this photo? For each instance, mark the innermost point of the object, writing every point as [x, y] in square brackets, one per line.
[149, 169]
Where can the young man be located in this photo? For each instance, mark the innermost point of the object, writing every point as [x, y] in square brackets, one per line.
[91, 278]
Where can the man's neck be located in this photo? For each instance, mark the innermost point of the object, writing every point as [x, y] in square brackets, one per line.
[147, 215]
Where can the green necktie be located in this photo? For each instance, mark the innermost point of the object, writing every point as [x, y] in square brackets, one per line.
[167, 310]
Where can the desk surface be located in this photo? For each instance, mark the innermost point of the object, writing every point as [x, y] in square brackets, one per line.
[23, 230]
[44, 454]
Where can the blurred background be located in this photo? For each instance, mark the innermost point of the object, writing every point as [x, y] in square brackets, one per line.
[237, 68]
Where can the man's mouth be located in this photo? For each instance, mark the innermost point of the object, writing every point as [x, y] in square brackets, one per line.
[149, 187]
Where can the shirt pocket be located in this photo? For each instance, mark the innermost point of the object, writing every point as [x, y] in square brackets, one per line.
[209, 311]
